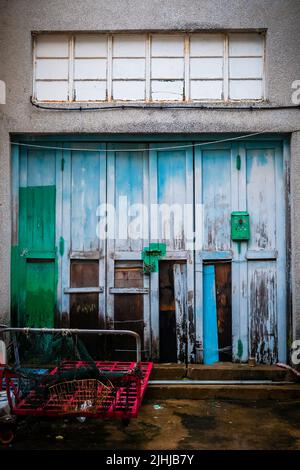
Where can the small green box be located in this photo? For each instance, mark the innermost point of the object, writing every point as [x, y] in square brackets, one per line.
[240, 226]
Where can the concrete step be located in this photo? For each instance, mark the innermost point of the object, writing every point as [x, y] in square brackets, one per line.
[229, 392]
[220, 371]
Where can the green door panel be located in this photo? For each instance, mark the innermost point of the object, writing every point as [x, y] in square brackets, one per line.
[34, 268]
[40, 293]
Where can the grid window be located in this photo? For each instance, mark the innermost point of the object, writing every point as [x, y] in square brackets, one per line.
[149, 67]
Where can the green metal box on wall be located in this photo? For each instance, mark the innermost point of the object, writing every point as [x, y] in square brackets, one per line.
[240, 226]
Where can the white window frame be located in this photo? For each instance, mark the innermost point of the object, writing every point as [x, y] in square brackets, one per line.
[148, 99]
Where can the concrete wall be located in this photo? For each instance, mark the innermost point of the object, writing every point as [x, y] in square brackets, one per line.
[18, 18]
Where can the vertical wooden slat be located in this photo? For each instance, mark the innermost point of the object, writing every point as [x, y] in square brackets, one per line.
[180, 288]
[282, 277]
[110, 244]
[154, 277]
[58, 231]
[66, 235]
[199, 234]
[210, 330]
[242, 262]
[102, 242]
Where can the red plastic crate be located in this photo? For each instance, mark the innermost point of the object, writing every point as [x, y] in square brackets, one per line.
[123, 403]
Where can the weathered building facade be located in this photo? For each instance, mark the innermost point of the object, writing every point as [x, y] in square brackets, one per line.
[164, 103]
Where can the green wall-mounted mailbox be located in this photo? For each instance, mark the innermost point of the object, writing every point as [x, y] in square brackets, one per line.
[240, 226]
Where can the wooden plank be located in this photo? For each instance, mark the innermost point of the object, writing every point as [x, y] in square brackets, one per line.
[84, 306]
[261, 254]
[128, 290]
[167, 313]
[102, 242]
[154, 277]
[210, 329]
[282, 275]
[180, 296]
[223, 297]
[82, 290]
[216, 183]
[85, 199]
[199, 232]
[263, 311]
[128, 308]
[59, 243]
[65, 247]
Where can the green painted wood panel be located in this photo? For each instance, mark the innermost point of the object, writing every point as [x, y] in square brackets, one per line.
[37, 220]
[35, 263]
[40, 293]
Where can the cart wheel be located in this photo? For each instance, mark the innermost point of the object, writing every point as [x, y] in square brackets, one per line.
[6, 437]
[125, 422]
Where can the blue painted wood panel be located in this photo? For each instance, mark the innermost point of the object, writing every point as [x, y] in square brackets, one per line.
[84, 200]
[210, 327]
[216, 184]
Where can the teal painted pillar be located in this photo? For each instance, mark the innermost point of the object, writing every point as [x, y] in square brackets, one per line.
[210, 326]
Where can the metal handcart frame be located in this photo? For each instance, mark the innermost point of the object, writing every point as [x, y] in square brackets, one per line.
[116, 393]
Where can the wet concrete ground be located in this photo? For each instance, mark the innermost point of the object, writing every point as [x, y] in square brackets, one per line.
[175, 424]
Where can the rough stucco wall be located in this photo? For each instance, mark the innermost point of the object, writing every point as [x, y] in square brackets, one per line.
[18, 18]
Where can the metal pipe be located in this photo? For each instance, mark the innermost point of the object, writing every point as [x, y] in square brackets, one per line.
[216, 382]
[75, 331]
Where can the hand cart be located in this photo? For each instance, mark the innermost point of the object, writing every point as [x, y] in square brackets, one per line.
[98, 389]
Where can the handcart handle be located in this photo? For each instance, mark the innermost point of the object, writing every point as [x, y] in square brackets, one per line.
[4, 329]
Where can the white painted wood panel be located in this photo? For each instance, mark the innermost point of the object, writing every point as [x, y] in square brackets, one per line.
[167, 68]
[52, 69]
[90, 45]
[52, 91]
[90, 91]
[245, 89]
[206, 89]
[52, 45]
[129, 68]
[165, 45]
[250, 67]
[129, 45]
[128, 90]
[206, 45]
[167, 90]
[206, 68]
[90, 69]
[245, 44]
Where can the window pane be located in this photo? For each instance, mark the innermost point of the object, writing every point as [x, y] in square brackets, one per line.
[129, 68]
[90, 45]
[245, 44]
[206, 89]
[245, 89]
[52, 45]
[167, 46]
[167, 90]
[90, 68]
[245, 68]
[52, 91]
[52, 69]
[206, 68]
[209, 45]
[167, 68]
[128, 90]
[88, 91]
[131, 45]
